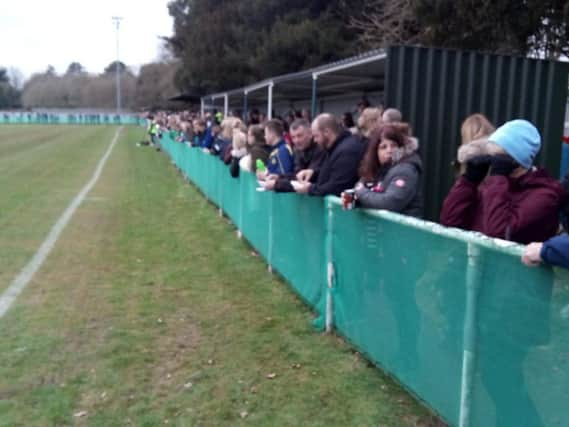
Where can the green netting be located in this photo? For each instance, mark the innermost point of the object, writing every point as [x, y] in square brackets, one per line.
[78, 118]
[399, 295]
[230, 195]
[454, 316]
[255, 215]
[522, 376]
[298, 237]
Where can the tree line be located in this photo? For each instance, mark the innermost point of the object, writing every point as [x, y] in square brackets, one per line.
[223, 44]
[9, 89]
[76, 88]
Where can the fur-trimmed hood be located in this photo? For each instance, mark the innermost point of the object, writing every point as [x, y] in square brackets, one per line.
[476, 148]
[410, 147]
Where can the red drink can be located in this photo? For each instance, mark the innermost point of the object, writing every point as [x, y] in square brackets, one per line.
[349, 199]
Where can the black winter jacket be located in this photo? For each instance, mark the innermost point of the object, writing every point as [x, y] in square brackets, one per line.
[339, 170]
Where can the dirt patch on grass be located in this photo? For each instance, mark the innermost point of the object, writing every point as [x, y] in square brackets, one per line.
[172, 351]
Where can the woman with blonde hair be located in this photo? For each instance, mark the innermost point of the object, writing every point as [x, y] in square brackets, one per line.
[222, 145]
[238, 151]
[476, 126]
[369, 119]
[475, 130]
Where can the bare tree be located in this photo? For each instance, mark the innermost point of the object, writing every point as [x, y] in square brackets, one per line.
[385, 22]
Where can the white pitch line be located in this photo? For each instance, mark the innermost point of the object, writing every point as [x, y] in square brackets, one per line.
[23, 278]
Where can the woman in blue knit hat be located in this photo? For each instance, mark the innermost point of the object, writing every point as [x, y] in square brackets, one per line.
[501, 193]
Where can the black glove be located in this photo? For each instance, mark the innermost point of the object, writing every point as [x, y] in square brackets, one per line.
[477, 168]
[502, 164]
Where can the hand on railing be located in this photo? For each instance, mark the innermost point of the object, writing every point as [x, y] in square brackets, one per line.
[532, 254]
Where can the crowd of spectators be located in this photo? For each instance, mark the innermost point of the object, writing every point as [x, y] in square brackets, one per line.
[374, 160]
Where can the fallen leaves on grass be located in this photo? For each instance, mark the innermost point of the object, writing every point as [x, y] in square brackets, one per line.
[80, 414]
[271, 376]
[243, 414]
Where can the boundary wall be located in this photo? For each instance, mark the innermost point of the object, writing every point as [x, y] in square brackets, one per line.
[76, 118]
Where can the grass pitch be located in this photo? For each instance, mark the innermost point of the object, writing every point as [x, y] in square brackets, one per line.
[150, 312]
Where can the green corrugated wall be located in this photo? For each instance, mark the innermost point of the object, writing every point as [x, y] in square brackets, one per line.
[436, 89]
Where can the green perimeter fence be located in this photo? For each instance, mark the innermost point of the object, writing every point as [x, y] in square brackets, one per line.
[453, 316]
[75, 118]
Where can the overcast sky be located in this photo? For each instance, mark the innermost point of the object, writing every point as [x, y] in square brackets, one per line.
[37, 33]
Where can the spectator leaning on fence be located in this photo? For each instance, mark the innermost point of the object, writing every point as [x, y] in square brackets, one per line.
[257, 149]
[516, 201]
[223, 139]
[339, 169]
[391, 172]
[238, 151]
[281, 161]
[307, 155]
[202, 134]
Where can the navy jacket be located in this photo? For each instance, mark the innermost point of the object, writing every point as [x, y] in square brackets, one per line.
[281, 161]
[206, 140]
[555, 251]
[339, 170]
[219, 147]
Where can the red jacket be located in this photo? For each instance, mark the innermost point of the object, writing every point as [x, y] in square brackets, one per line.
[522, 210]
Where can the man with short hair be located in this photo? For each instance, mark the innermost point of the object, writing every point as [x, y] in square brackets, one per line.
[339, 169]
[281, 161]
[307, 155]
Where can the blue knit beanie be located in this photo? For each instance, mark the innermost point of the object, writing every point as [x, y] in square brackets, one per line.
[520, 139]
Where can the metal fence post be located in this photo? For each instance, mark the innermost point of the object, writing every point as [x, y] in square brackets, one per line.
[271, 240]
[240, 216]
[219, 182]
[329, 321]
[473, 283]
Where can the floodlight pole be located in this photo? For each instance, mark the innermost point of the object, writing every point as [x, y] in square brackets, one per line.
[117, 20]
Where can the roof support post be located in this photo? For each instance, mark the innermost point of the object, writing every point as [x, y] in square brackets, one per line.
[270, 102]
[225, 105]
[202, 109]
[314, 93]
[245, 106]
